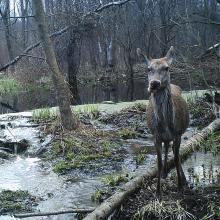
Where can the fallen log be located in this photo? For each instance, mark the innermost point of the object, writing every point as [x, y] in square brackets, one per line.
[78, 211]
[104, 210]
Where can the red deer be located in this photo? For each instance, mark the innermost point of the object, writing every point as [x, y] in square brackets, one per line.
[167, 114]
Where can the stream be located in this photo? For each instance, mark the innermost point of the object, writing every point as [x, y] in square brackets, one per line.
[24, 172]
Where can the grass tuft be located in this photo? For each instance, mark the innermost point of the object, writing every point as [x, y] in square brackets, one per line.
[115, 180]
[9, 86]
[163, 210]
[91, 109]
[44, 115]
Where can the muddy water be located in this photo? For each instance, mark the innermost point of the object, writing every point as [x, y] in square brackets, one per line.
[59, 193]
[25, 173]
[202, 169]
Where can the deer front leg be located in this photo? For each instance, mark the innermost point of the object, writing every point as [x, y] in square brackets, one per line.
[158, 145]
[180, 174]
[166, 146]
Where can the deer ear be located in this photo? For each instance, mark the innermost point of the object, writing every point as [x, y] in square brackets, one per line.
[142, 56]
[170, 55]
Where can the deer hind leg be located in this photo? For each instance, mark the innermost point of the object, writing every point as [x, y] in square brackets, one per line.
[218, 111]
[158, 145]
[165, 169]
[180, 174]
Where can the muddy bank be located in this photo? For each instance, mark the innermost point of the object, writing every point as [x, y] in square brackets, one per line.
[199, 203]
[199, 200]
[25, 180]
[80, 168]
[17, 201]
[106, 143]
[101, 144]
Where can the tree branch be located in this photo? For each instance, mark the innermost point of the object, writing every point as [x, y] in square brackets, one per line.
[103, 7]
[28, 49]
[35, 57]
[27, 215]
[55, 34]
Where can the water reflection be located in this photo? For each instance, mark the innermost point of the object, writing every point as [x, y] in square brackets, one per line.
[202, 169]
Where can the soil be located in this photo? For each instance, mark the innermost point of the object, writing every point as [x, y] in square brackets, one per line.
[198, 202]
[99, 142]
[98, 136]
[201, 112]
[97, 145]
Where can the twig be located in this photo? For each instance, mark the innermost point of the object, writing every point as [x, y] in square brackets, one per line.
[12, 134]
[31, 56]
[16, 59]
[27, 215]
[118, 3]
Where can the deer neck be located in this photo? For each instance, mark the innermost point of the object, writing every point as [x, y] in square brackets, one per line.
[163, 112]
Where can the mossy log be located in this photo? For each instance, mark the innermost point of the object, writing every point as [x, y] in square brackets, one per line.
[105, 209]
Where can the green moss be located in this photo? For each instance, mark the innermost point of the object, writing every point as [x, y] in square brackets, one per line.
[15, 201]
[97, 196]
[127, 133]
[114, 180]
[212, 143]
[70, 156]
[63, 166]
[12, 195]
[141, 156]
[75, 153]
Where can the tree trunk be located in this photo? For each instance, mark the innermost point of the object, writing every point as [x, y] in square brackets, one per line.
[163, 32]
[24, 8]
[131, 80]
[93, 53]
[104, 210]
[6, 22]
[73, 61]
[62, 90]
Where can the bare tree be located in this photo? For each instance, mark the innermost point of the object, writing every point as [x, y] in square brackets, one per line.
[62, 91]
[5, 14]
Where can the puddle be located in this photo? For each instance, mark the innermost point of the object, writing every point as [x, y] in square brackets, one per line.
[58, 194]
[202, 169]
[25, 173]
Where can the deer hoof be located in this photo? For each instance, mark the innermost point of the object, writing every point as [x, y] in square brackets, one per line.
[164, 175]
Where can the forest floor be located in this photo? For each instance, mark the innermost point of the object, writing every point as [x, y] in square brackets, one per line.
[201, 203]
[111, 142]
[105, 138]
[103, 135]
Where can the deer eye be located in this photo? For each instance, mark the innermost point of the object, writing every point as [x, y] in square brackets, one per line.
[166, 68]
[149, 68]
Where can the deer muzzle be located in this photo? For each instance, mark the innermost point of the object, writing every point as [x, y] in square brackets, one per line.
[154, 85]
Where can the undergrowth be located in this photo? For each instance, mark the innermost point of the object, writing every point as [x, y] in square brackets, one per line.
[163, 210]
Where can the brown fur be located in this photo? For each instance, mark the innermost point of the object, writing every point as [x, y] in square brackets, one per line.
[167, 114]
[176, 90]
[181, 120]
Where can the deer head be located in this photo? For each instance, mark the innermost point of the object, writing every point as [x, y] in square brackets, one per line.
[158, 70]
